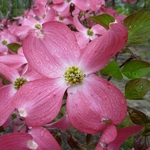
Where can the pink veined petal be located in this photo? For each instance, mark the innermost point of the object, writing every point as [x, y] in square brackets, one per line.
[96, 4]
[15, 141]
[81, 39]
[82, 4]
[61, 7]
[39, 9]
[39, 101]
[122, 135]
[44, 139]
[108, 136]
[22, 31]
[13, 60]
[63, 123]
[78, 25]
[6, 107]
[148, 148]
[31, 74]
[40, 2]
[101, 50]
[120, 17]
[98, 29]
[57, 1]
[93, 102]
[9, 73]
[54, 52]
[64, 41]
[50, 14]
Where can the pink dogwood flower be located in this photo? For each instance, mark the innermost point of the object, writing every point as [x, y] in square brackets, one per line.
[91, 100]
[85, 35]
[8, 91]
[38, 138]
[6, 37]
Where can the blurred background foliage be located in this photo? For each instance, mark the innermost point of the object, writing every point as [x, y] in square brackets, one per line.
[128, 9]
[12, 8]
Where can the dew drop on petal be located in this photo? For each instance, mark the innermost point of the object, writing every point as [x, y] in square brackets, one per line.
[22, 112]
[103, 144]
[32, 145]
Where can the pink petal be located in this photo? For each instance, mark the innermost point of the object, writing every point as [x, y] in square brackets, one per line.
[98, 29]
[78, 25]
[122, 135]
[13, 60]
[82, 4]
[9, 73]
[62, 123]
[31, 74]
[6, 107]
[15, 141]
[44, 139]
[108, 136]
[93, 102]
[57, 1]
[22, 31]
[96, 4]
[81, 39]
[61, 7]
[39, 101]
[101, 50]
[54, 52]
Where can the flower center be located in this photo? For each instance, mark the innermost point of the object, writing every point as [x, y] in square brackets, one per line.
[43, 16]
[103, 145]
[90, 32]
[74, 75]
[61, 18]
[68, 1]
[38, 26]
[19, 82]
[4, 42]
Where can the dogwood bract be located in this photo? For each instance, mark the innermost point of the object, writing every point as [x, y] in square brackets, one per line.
[91, 100]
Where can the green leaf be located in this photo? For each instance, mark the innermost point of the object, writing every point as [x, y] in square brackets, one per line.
[14, 47]
[137, 88]
[104, 20]
[91, 145]
[146, 131]
[136, 69]
[138, 26]
[112, 69]
[138, 117]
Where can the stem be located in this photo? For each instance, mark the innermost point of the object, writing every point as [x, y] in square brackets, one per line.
[21, 127]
